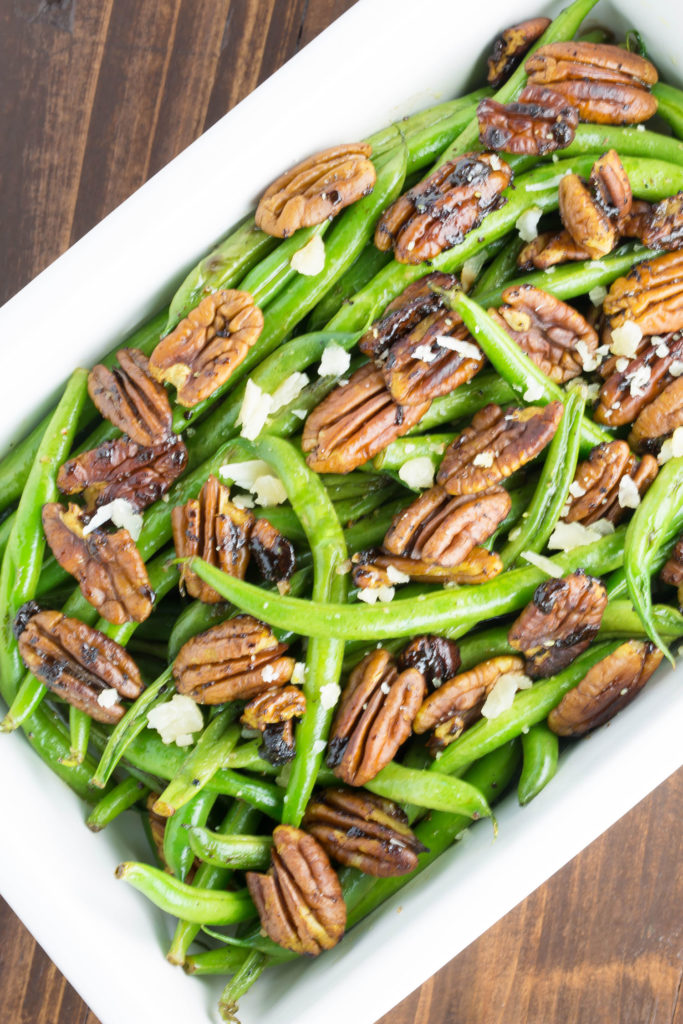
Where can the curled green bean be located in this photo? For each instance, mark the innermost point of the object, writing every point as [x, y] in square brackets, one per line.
[239, 852]
[126, 794]
[202, 906]
[540, 748]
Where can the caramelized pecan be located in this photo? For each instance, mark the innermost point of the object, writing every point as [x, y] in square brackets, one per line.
[273, 553]
[373, 718]
[77, 662]
[437, 213]
[662, 227]
[458, 702]
[594, 493]
[417, 301]
[549, 249]
[363, 831]
[495, 445]
[218, 531]
[672, 573]
[636, 223]
[107, 566]
[548, 330]
[650, 295]
[559, 623]
[300, 900]
[591, 211]
[627, 391]
[607, 84]
[204, 349]
[373, 569]
[271, 712]
[606, 688]
[129, 398]
[316, 189]
[355, 422]
[659, 419]
[122, 468]
[235, 660]
[511, 46]
[436, 657]
[541, 121]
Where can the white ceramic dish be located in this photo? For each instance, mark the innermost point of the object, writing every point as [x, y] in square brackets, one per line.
[57, 876]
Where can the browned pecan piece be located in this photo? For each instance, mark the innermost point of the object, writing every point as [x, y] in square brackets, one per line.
[663, 228]
[355, 422]
[636, 223]
[511, 46]
[559, 623]
[235, 660]
[218, 531]
[554, 335]
[549, 249]
[541, 121]
[439, 528]
[122, 468]
[436, 657]
[495, 445]
[363, 831]
[606, 688]
[374, 569]
[414, 303]
[272, 713]
[659, 419]
[129, 398]
[458, 702]
[594, 494]
[672, 573]
[607, 84]
[107, 566]
[650, 295]
[592, 211]
[315, 189]
[629, 389]
[273, 553]
[77, 662]
[300, 900]
[439, 212]
[373, 718]
[204, 349]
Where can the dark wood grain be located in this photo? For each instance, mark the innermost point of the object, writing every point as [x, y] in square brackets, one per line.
[97, 95]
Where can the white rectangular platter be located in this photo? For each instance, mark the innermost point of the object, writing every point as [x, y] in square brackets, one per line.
[383, 59]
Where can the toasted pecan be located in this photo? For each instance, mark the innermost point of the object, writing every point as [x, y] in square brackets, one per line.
[273, 554]
[540, 121]
[592, 211]
[595, 490]
[272, 713]
[417, 301]
[672, 573]
[659, 419]
[373, 569]
[511, 46]
[436, 657]
[629, 390]
[650, 295]
[662, 226]
[129, 398]
[548, 249]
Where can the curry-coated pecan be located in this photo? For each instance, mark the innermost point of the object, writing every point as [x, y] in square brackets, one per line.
[107, 566]
[373, 718]
[511, 46]
[549, 249]
[650, 295]
[672, 573]
[129, 398]
[663, 227]
[235, 660]
[375, 569]
[495, 445]
[592, 211]
[659, 419]
[317, 188]
[630, 389]
[607, 84]
[458, 702]
[204, 349]
[594, 493]
[437, 213]
[559, 623]
[605, 689]
[548, 330]
[78, 663]
[273, 553]
[418, 300]
[211, 527]
[436, 657]
[355, 422]
[122, 468]
[363, 831]
[539, 122]
[272, 713]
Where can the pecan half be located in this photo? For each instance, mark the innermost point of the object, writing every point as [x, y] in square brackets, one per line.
[122, 468]
[650, 295]
[659, 419]
[235, 660]
[591, 211]
[373, 718]
[607, 84]
[663, 227]
[549, 249]
[316, 189]
[272, 712]
[458, 702]
[273, 553]
[672, 573]
[595, 491]
[78, 662]
[495, 445]
[218, 531]
[636, 223]
[606, 688]
[436, 657]
[511, 46]
[129, 398]
[437, 213]
[626, 392]
[107, 566]
[548, 330]
[355, 422]
[372, 569]
[204, 349]
[541, 121]
[363, 831]
[559, 623]
[300, 900]
[405, 312]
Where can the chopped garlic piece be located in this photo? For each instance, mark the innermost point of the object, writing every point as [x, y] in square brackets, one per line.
[176, 720]
[597, 295]
[589, 360]
[396, 576]
[483, 459]
[470, 270]
[269, 490]
[244, 473]
[335, 361]
[534, 391]
[502, 695]
[625, 339]
[255, 410]
[386, 594]
[638, 381]
[298, 674]
[290, 389]
[495, 161]
[544, 564]
[567, 536]
[329, 695]
[268, 674]
[417, 473]
[368, 594]
[576, 490]
[676, 368]
[629, 495]
[310, 259]
[527, 223]
[424, 353]
[464, 348]
[121, 513]
[108, 698]
[243, 501]
[672, 447]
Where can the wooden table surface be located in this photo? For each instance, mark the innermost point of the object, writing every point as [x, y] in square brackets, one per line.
[95, 96]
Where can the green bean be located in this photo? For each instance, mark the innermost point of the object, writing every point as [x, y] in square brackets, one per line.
[352, 509]
[252, 968]
[126, 794]
[369, 263]
[79, 731]
[670, 106]
[519, 503]
[540, 748]
[592, 138]
[500, 269]
[487, 643]
[178, 855]
[239, 852]
[621, 620]
[432, 446]
[341, 486]
[464, 401]
[369, 531]
[203, 906]
[217, 740]
[273, 273]
[553, 485]
[215, 961]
